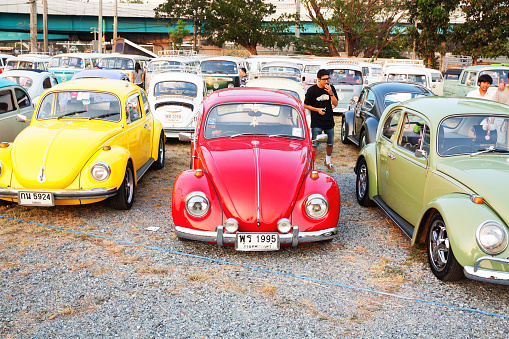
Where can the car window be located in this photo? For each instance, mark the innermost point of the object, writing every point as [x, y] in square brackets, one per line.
[6, 101]
[370, 98]
[183, 88]
[415, 134]
[46, 83]
[219, 67]
[54, 81]
[395, 97]
[345, 76]
[391, 124]
[464, 77]
[132, 108]
[146, 104]
[472, 79]
[22, 98]
[498, 76]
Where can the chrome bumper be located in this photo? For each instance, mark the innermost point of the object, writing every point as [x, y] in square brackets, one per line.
[168, 130]
[495, 277]
[95, 193]
[220, 237]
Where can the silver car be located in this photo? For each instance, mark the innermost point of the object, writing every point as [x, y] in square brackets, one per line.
[16, 109]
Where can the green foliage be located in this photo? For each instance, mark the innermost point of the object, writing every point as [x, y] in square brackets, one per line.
[486, 29]
[178, 33]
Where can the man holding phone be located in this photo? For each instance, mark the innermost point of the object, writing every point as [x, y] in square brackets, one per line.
[319, 100]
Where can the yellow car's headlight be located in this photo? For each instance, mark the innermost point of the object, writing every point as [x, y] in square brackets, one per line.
[100, 171]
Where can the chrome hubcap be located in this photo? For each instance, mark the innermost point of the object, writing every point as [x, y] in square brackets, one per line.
[438, 245]
[343, 129]
[129, 185]
[362, 181]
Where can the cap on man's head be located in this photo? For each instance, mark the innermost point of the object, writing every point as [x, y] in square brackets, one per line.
[485, 78]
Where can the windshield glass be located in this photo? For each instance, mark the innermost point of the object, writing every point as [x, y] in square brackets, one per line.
[66, 62]
[413, 78]
[165, 65]
[396, 97]
[117, 63]
[345, 76]
[219, 67]
[80, 105]
[280, 70]
[497, 76]
[253, 118]
[175, 88]
[468, 134]
[21, 80]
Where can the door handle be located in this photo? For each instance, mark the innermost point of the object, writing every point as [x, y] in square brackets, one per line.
[145, 126]
[391, 156]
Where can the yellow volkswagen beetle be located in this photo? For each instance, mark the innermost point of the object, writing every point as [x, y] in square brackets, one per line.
[89, 140]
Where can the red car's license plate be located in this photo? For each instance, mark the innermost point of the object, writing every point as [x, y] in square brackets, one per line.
[257, 242]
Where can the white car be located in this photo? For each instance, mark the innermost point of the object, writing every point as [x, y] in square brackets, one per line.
[34, 81]
[176, 99]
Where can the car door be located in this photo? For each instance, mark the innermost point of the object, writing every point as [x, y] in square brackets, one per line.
[384, 145]
[138, 131]
[9, 127]
[364, 110]
[406, 172]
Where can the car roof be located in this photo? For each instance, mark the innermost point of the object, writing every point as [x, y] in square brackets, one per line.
[405, 69]
[397, 86]
[99, 84]
[249, 94]
[100, 73]
[26, 72]
[486, 67]
[5, 83]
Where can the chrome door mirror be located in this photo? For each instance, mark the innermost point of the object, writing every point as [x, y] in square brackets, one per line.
[420, 153]
[21, 118]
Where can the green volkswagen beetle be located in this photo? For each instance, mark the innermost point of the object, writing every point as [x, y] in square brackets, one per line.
[440, 170]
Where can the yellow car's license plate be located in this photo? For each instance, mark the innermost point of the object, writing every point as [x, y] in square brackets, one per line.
[36, 199]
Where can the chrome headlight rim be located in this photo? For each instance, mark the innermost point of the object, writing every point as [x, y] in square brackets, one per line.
[502, 243]
[0, 168]
[197, 195]
[103, 165]
[284, 225]
[312, 199]
[231, 225]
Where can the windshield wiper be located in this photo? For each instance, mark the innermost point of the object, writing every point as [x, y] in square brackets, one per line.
[103, 116]
[286, 136]
[71, 113]
[245, 134]
[490, 149]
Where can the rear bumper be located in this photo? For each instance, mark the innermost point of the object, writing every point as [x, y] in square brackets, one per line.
[220, 237]
[482, 274]
[96, 193]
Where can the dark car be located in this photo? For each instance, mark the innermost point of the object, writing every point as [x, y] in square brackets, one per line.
[359, 125]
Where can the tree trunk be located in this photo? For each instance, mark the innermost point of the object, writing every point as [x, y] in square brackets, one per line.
[349, 44]
[251, 49]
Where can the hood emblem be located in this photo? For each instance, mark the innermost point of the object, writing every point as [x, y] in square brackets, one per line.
[41, 178]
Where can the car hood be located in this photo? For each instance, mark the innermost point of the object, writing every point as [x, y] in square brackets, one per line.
[485, 174]
[249, 177]
[62, 147]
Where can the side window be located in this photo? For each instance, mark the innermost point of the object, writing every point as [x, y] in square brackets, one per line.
[464, 78]
[46, 83]
[54, 81]
[6, 102]
[415, 134]
[146, 105]
[472, 79]
[22, 98]
[132, 108]
[391, 124]
[370, 98]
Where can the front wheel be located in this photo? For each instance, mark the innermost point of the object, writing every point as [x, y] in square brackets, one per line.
[125, 194]
[441, 260]
[344, 138]
[160, 153]
[362, 185]
[362, 139]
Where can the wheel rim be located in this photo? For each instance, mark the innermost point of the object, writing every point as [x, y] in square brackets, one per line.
[363, 140]
[129, 185]
[343, 130]
[438, 245]
[362, 181]
[161, 151]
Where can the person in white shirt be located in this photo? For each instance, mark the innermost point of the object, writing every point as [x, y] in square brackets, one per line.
[484, 83]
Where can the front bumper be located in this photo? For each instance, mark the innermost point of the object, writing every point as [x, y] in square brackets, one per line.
[95, 193]
[495, 277]
[176, 130]
[220, 237]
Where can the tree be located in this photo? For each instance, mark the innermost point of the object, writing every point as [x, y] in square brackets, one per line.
[486, 28]
[431, 26]
[317, 11]
[178, 33]
[193, 10]
[244, 22]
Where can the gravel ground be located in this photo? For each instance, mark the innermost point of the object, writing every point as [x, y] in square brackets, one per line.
[365, 283]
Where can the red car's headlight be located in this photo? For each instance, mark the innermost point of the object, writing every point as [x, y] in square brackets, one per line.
[316, 206]
[197, 204]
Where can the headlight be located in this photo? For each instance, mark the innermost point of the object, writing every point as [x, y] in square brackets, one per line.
[491, 237]
[284, 225]
[230, 85]
[0, 168]
[316, 206]
[100, 171]
[231, 225]
[197, 204]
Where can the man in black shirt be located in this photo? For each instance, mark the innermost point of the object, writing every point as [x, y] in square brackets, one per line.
[319, 100]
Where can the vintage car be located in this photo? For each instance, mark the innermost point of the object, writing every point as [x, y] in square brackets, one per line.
[34, 81]
[278, 69]
[176, 100]
[371, 72]
[359, 125]
[346, 76]
[222, 72]
[176, 63]
[439, 170]
[16, 109]
[89, 140]
[252, 182]
[66, 65]
[468, 79]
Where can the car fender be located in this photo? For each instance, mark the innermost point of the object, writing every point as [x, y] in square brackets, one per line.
[461, 227]
[368, 153]
[5, 166]
[186, 183]
[116, 158]
[326, 186]
[349, 117]
[370, 126]
[158, 129]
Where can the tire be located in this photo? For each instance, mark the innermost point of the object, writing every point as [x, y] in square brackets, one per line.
[344, 139]
[160, 153]
[441, 259]
[362, 139]
[4, 202]
[123, 200]
[362, 185]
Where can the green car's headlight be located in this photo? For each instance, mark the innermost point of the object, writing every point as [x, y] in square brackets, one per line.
[197, 204]
[492, 237]
[316, 206]
[100, 171]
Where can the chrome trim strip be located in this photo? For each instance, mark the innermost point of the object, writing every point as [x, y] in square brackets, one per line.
[482, 274]
[219, 236]
[96, 193]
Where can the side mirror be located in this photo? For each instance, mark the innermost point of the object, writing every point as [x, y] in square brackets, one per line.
[21, 118]
[186, 137]
[322, 137]
[420, 153]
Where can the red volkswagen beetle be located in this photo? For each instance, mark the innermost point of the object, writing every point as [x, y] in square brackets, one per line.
[252, 182]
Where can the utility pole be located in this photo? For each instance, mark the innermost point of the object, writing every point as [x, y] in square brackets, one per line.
[115, 21]
[297, 11]
[100, 26]
[33, 26]
[45, 24]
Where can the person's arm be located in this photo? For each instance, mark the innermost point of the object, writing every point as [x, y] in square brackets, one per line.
[315, 109]
[333, 96]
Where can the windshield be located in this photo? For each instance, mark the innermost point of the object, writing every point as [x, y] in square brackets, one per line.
[280, 70]
[413, 78]
[469, 134]
[345, 76]
[175, 88]
[66, 62]
[161, 65]
[219, 67]
[397, 97]
[80, 105]
[230, 120]
[21, 80]
[117, 63]
[498, 76]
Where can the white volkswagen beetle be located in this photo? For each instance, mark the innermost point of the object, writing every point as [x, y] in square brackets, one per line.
[176, 99]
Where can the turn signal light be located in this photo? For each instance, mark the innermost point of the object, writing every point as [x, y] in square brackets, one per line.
[314, 174]
[476, 199]
[106, 147]
[198, 173]
[4, 144]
